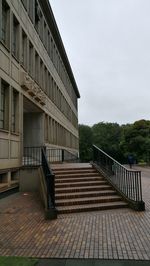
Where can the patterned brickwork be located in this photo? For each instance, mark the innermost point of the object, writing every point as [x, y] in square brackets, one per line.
[111, 234]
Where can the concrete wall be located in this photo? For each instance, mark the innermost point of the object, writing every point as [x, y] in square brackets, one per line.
[29, 180]
[33, 129]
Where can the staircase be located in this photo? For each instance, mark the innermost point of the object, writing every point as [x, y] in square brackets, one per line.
[83, 189]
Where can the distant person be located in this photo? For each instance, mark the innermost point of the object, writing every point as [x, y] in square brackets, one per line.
[130, 160]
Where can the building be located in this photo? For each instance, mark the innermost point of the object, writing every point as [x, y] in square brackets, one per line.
[38, 92]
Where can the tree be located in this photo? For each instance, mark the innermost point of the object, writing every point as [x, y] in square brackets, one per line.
[136, 140]
[85, 143]
[107, 137]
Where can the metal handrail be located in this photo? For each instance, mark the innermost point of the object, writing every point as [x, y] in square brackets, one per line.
[50, 181]
[127, 182]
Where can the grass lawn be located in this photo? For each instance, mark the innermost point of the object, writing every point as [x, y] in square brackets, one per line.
[17, 261]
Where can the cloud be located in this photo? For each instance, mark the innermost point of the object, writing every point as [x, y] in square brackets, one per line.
[108, 45]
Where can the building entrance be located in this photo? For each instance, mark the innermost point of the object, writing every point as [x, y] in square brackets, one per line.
[33, 125]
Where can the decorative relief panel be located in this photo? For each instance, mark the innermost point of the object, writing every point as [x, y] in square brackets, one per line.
[32, 88]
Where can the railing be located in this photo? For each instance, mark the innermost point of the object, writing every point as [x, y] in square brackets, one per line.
[50, 179]
[36, 157]
[60, 155]
[127, 182]
[32, 156]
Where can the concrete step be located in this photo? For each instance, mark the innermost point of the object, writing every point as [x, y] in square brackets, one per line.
[91, 207]
[78, 175]
[85, 188]
[75, 171]
[88, 200]
[80, 184]
[84, 194]
[81, 179]
[5, 191]
[57, 169]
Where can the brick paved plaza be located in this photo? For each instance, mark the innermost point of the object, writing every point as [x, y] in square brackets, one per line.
[113, 234]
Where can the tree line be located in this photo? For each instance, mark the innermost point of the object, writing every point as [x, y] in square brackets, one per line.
[118, 141]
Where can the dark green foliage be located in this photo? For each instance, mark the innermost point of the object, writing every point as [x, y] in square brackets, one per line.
[118, 141]
[85, 143]
[17, 261]
[107, 137]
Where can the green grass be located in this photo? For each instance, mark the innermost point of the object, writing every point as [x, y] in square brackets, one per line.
[17, 261]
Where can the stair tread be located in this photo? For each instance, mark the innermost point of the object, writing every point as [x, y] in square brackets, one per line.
[84, 193]
[94, 205]
[57, 168]
[106, 197]
[84, 182]
[84, 187]
[77, 175]
[74, 170]
[73, 179]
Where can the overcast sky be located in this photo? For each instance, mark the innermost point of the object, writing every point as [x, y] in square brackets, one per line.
[108, 46]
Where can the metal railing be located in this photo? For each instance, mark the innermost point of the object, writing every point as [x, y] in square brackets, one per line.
[32, 156]
[60, 155]
[36, 157]
[126, 182]
[50, 181]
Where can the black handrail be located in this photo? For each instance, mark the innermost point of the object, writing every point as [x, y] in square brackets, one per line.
[50, 181]
[127, 182]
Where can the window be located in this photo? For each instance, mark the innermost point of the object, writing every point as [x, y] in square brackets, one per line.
[49, 43]
[41, 73]
[14, 111]
[5, 30]
[24, 3]
[38, 15]
[4, 105]
[15, 38]
[31, 8]
[30, 59]
[36, 67]
[24, 49]
[46, 128]
[45, 35]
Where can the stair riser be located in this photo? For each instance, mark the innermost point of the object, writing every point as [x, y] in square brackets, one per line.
[57, 181]
[90, 201]
[59, 197]
[89, 209]
[80, 184]
[98, 188]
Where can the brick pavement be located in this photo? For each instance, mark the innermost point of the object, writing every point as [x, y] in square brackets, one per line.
[113, 234]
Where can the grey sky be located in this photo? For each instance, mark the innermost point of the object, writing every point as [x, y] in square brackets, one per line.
[108, 46]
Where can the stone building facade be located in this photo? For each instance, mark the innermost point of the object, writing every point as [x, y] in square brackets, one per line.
[38, 92]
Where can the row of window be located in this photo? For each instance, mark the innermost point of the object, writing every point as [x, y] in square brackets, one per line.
[49, 43]
[56, 134]
[5, 111]
[33, 64]
[37, 17]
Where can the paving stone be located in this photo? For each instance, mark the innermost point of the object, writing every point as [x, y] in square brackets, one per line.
[112, 234]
